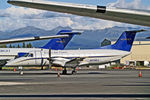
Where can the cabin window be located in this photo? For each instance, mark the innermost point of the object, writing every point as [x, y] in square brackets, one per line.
[26, 55]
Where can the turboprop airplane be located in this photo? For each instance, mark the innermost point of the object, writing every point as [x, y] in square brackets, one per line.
[74, 58]
[131, 16]
[58, 42]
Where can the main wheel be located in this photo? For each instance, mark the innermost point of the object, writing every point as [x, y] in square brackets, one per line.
[0, 68]
[21, 72]
[64, 72]
[42, 68]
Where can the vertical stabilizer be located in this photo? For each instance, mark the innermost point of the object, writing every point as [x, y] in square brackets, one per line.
[60, 43]
[125, 41]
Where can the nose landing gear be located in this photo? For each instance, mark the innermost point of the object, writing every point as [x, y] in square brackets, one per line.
[74, 71]
[20, 70]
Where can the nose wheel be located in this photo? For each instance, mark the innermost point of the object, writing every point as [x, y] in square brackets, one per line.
[20, 70]
[74, 71]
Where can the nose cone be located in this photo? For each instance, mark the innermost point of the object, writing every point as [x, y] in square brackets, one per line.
[10, 63]
[7, 64]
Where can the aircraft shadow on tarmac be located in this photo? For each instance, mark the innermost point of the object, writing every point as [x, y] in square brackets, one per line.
[14, 80]
[48, 73]
[28, 73]
[129, 85]
[143, 82]
[79, 96]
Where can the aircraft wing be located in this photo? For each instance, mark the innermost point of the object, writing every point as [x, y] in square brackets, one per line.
[67, 62]
[130, 16]
[31, 39]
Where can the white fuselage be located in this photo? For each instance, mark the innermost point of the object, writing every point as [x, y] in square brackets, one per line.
[61, 57]
[11, 53]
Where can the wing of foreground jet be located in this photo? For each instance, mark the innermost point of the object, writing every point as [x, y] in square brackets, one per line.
[31, 39]
[130, 16]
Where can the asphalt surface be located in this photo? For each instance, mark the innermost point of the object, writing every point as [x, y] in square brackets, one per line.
[84, 85]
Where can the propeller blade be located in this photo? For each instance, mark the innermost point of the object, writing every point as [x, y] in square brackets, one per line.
[50, 64]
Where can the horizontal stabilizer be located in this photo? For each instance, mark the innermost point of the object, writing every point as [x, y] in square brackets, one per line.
[136, 31]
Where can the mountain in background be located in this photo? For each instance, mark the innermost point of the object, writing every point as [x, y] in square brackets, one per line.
[88, 39]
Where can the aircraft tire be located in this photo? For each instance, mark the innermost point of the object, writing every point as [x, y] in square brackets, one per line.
[64, 72]
[0, 68]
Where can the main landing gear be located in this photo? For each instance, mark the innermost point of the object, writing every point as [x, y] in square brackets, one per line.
[0, 68]
[64, 71]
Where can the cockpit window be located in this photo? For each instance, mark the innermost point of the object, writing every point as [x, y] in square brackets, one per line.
[24, 55]
[16, 57]
[28, 55]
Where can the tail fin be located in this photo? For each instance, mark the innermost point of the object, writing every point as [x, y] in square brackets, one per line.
[124, 42]
[60, 43]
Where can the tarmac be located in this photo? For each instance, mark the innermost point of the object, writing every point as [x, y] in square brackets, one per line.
[85, 85]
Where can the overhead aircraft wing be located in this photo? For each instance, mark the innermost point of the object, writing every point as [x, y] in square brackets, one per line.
[130, 16]
[31, 39]
[62, 35]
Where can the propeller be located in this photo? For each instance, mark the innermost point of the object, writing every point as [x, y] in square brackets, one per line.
[50, 62]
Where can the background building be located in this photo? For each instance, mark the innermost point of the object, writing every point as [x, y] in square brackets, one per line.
[140, 54]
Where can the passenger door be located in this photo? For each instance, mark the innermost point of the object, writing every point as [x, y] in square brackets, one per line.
[38, 58]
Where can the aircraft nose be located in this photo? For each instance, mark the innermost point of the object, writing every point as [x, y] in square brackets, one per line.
[10, 63]
[7, 64]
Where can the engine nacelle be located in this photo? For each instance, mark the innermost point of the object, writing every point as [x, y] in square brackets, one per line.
[60, 61]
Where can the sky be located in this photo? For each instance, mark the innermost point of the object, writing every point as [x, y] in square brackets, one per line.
[13, 17]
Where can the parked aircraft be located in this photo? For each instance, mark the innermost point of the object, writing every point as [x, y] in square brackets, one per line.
[74, 58]
[59, 43]
[130, 16]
